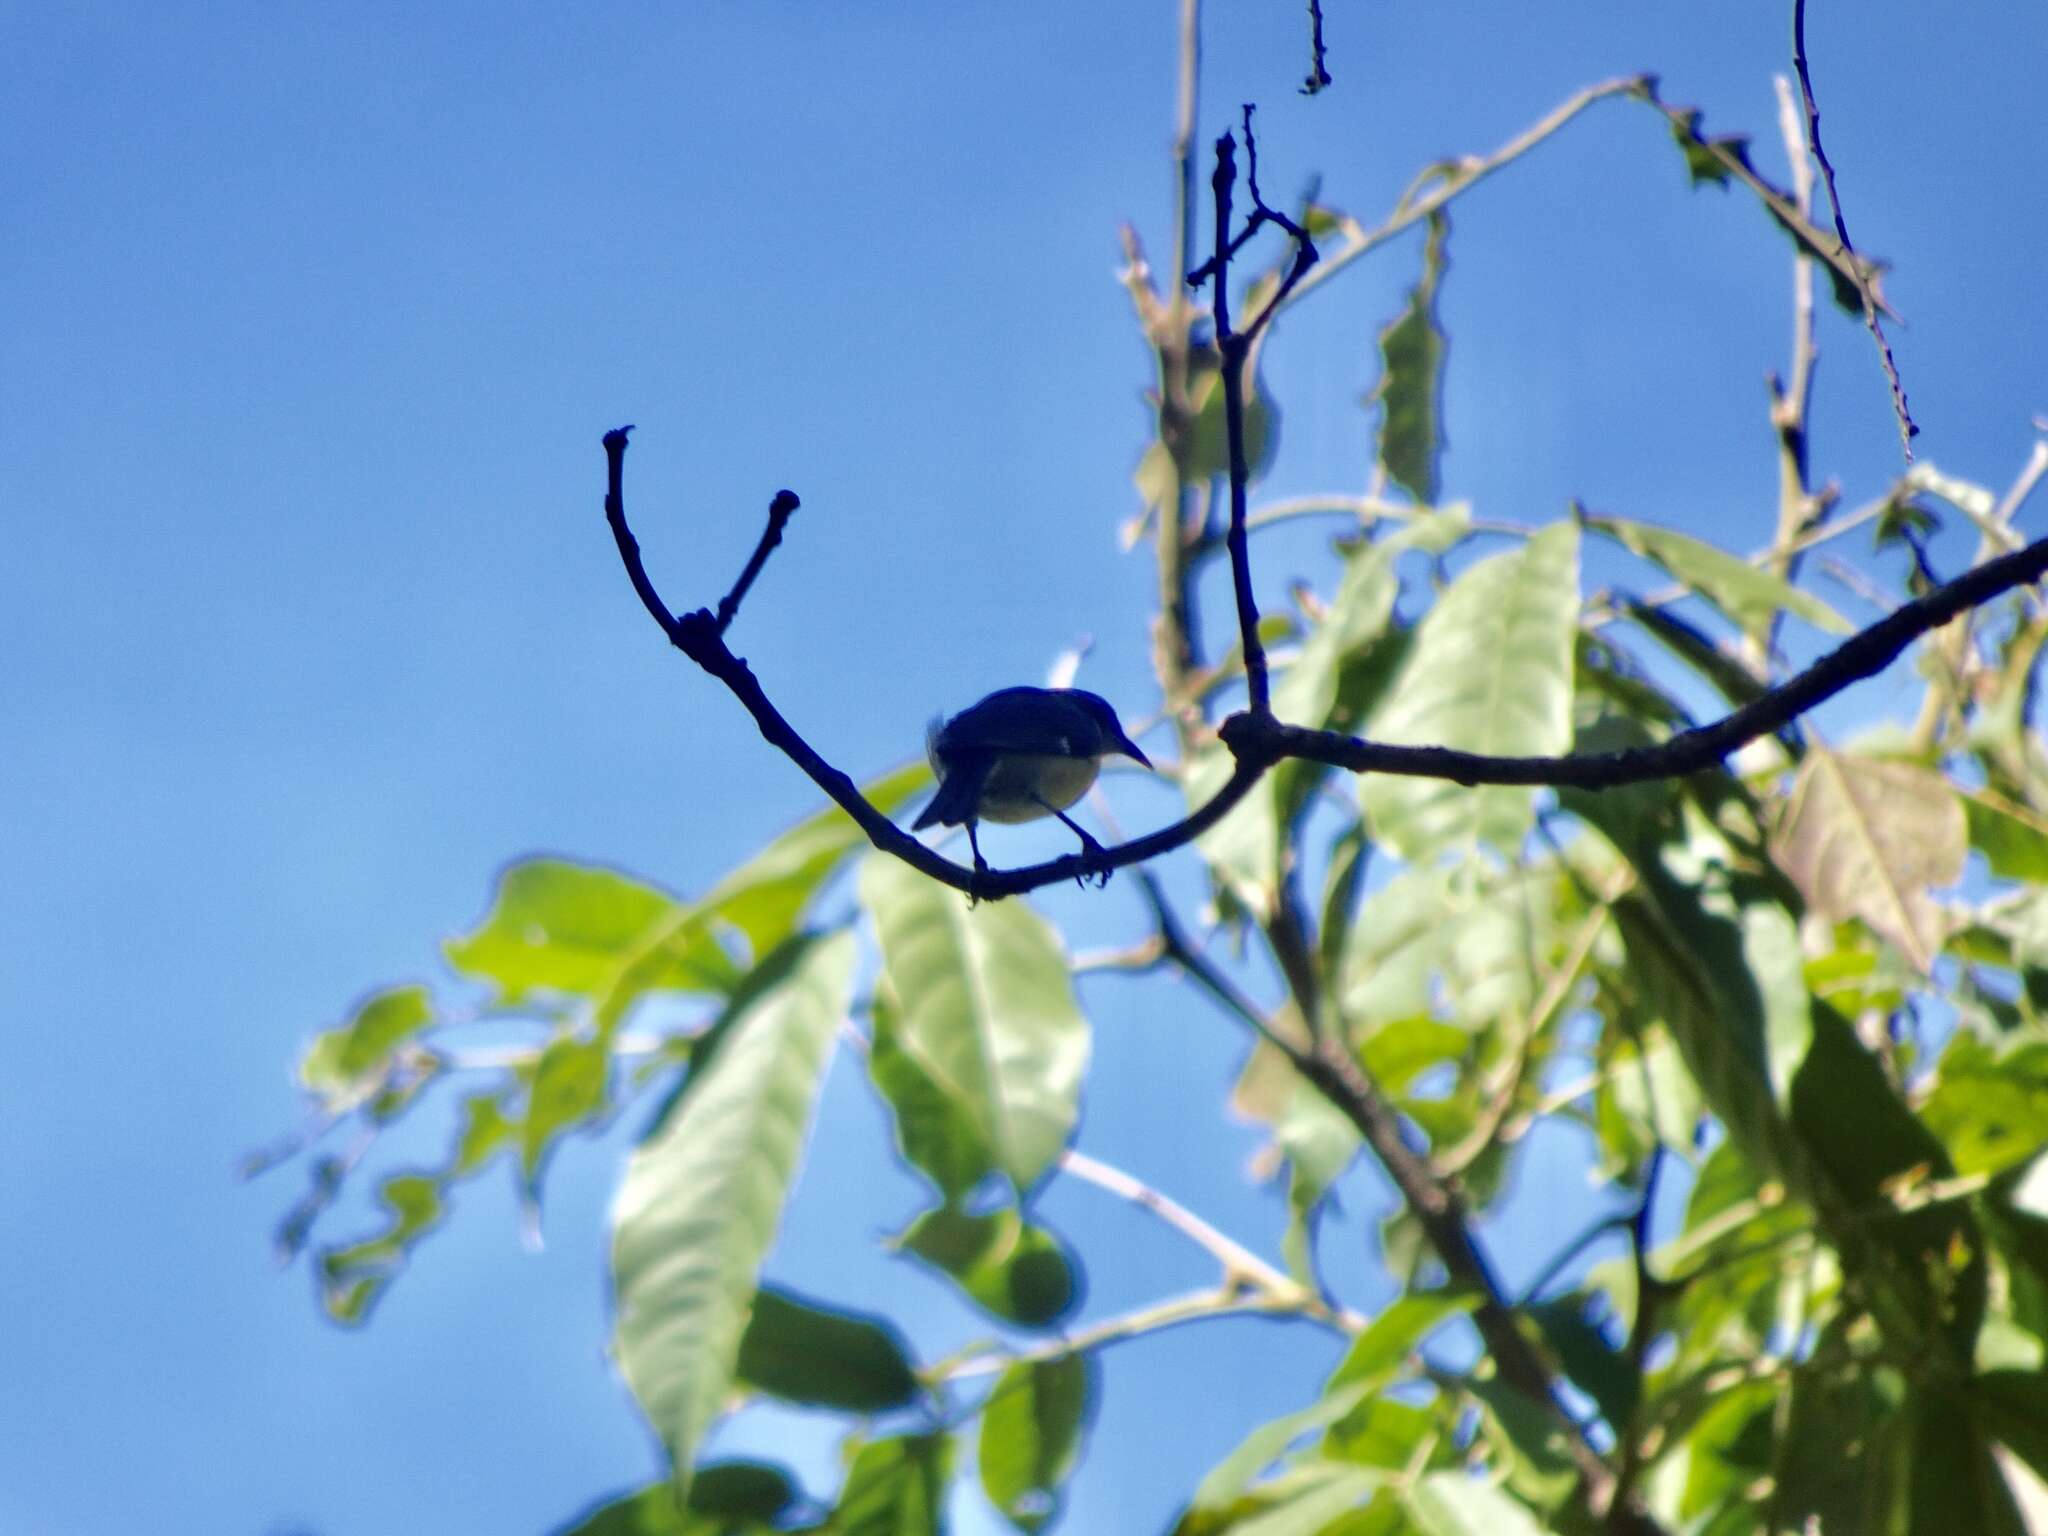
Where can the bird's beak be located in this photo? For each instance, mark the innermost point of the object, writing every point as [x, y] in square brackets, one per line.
[1129, 748]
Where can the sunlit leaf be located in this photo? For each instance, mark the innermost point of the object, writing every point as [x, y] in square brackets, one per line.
[1031, 1433]
[1491, 672]
[1989, 1107]
[340, 1062]
[1459, 1504]
[986, 1005]
[556, 927]
[1398, 1332]
[1869, 838]
[767, 896]
[703, 1195]
[1748, 596]
[1266, 1444]
[895, 1487]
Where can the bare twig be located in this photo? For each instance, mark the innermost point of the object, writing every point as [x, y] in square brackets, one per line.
[1318, 75]
[1798, 510]
[1240, 1265]
[1234, 348]
[779, 513]
[1459, 177]
[1907, 429]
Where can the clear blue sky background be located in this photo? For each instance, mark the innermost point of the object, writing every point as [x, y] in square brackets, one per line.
[312, 323]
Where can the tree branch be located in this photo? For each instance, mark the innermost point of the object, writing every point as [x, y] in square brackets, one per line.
[1908, 430]
[1260, 741]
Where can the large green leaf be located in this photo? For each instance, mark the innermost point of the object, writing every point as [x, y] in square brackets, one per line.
[895, 1487]
[703, 1195]
[557, 927]
[823, 1357]
[935, 1130]
[1409, 393]
[1031, 1434]
[1870, 838]
[1459, 1504]
[1748, 596]
[1491, 671]
[985, 1003]
[1014, 1270]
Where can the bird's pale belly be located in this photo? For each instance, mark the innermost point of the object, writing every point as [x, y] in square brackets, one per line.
[1007, 793]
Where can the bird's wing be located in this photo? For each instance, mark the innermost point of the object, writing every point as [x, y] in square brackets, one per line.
[1023, 721]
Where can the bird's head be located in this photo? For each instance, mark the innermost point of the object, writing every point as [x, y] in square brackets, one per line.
[1104, 715]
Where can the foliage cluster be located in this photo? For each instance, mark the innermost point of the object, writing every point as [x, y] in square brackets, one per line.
[1813, 984]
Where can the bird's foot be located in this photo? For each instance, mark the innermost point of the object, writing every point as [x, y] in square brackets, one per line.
[1095, 862]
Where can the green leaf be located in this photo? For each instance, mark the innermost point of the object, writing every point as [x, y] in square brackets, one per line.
[1989, 1107]
[1717, 956]
[1725, 157]
[1410, 389]
[556, 927]
[1208, 444]
[1491, 672]
[767, 896]
[1750, 597]
[1380, 1432]
[1528, 1444]
[1265, 1445]
[935, 1131]
[823, 1357]
[354, 1277]
[727, 1498]
[1866, 837]
[1458, 1504]
[1031, 1433]
[1016, 1271]
[343, 1062]
[569, 1085]
[1382, 1350]
[2013, 1407]
[1734, 681]
[895, 1487]
[2012, 837]
[1955, 1484]
[703, 1195]
[986, 1006]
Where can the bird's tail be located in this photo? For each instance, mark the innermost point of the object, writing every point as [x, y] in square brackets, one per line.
[959, 794]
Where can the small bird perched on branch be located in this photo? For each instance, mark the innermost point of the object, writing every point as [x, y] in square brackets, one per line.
[1019, 754]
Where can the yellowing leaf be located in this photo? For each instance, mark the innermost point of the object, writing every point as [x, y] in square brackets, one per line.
[1869, 838]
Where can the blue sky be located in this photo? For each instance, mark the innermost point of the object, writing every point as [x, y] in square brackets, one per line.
[313, 323]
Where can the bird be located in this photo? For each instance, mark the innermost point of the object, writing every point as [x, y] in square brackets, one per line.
[1019, 754]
